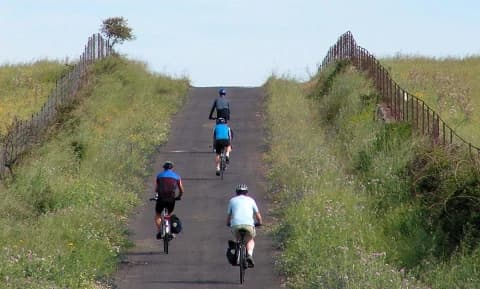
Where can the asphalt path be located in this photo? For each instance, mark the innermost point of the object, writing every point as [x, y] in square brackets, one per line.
[196, 257]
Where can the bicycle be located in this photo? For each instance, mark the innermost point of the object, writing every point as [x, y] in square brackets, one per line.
[223, 162]
[165, 228]
[242, 253]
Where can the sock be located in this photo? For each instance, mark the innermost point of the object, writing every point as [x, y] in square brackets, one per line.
[250, 252]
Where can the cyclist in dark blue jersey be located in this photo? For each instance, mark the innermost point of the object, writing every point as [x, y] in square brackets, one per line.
[221, 105]
[222, 138]
[166, 184]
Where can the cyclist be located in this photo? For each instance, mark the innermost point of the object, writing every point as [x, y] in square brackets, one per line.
[221, 105]
[222, 138]
[242, 212]
[166, 184]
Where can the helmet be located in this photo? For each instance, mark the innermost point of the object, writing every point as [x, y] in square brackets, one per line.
[221, 120]
[168, 165]
[241, 189]
[222, 91]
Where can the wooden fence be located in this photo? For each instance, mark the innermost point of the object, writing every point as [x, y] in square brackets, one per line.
[403, 105]
[23, 134]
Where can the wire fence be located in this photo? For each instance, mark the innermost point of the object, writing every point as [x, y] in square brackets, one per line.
[402, 105]
[23, 134]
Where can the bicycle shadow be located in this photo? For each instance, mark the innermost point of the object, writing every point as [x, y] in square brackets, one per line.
[192, 282]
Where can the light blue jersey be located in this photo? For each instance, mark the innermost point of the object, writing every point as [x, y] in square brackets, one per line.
[242, 208]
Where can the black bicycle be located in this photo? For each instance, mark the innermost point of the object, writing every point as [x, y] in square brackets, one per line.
[242, 254]
[165, 229]
[223, 162]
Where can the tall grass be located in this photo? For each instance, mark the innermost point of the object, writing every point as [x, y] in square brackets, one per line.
[63, 220]
[451, 86]
[328, 237]
[364, 204]
[24, 88]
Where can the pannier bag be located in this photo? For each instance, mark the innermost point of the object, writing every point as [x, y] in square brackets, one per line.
[232, 253]
[176, 224]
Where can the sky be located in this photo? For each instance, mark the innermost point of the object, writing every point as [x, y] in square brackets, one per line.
[239, 42]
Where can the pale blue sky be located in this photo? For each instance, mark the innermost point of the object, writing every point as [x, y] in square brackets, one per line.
[239, 42]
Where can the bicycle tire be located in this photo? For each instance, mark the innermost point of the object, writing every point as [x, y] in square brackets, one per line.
[243, 262]
[165, 245]
[166, 237]
[222, 163]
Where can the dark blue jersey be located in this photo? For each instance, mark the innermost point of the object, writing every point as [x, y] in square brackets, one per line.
[167, 184]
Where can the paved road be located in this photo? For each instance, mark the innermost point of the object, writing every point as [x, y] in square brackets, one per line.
[196, 257]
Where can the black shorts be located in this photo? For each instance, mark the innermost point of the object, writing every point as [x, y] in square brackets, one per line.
[220, 144]
[165, 203]
[225, 113]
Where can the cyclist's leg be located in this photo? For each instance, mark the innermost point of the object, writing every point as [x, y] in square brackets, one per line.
[158, 213]
[170, 205]
[228, 149]
[218, 150]
[160, 205]
[250, 238]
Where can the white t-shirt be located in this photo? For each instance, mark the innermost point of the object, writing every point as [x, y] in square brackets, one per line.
[241, 208]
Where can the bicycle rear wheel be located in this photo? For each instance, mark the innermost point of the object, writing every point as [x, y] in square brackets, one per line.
[165, 232]
[165, 243]
[223, 164]
[243, 262]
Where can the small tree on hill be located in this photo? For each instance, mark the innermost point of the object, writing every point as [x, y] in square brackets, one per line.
[116, 30]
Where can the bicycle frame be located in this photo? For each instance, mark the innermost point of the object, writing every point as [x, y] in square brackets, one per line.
[165, 229]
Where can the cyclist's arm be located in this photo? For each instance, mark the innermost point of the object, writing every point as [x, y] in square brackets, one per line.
[156, 185]
[229, 217]
[180, 188]
[212, 109]
[258, 216]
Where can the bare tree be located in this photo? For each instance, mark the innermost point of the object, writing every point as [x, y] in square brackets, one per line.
[116, 30]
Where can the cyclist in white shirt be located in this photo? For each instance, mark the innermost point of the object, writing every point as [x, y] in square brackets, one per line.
[241, 214]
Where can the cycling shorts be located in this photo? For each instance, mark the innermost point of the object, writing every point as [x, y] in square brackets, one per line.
[219, 144]
[224, 112]
[165, 203]
[250, 231]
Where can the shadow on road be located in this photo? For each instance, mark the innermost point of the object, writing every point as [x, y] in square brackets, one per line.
[194, 282]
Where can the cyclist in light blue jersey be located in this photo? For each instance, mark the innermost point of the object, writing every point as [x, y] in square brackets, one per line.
[222, 138]
[242, 212]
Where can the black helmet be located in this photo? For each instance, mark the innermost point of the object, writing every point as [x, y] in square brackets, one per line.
[241, 189]
[221, 120]
[168, 165]
[222, 91]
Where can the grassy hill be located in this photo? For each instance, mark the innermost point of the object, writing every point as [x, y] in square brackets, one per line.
[63, 217]
[24, 88]
[362, 203]
[450, 86]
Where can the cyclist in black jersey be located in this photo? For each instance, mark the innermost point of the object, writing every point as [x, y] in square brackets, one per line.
[221, 105]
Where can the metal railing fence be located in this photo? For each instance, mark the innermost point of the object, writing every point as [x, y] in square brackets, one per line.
[23, 134]
[403, 105]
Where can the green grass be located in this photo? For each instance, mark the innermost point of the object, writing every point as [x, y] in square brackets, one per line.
[450, 86]
[327, 236]
[364, 204]
[63, 218]
[25, 88]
